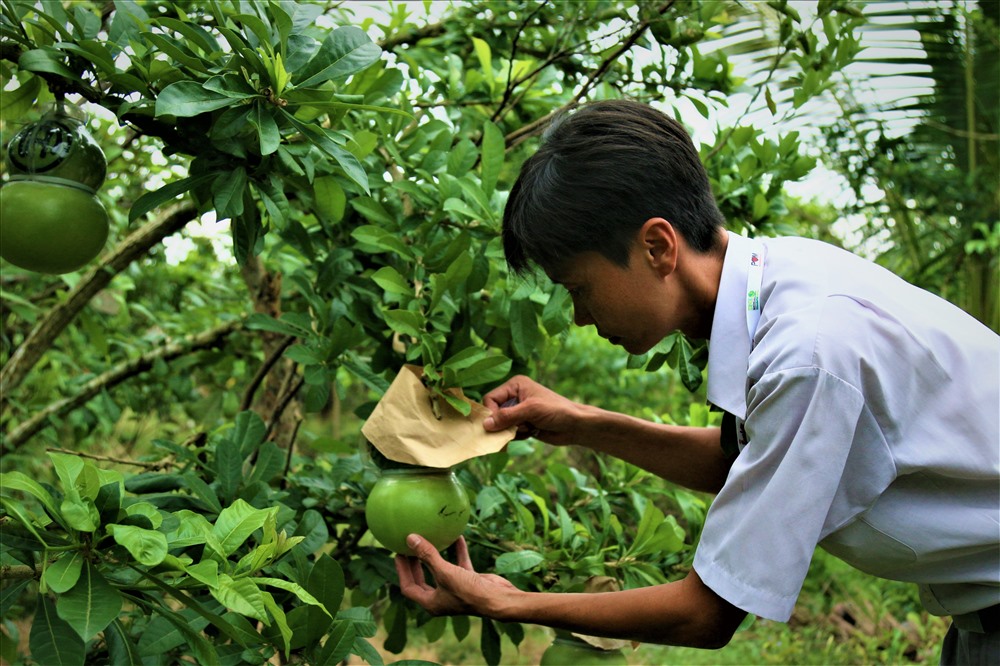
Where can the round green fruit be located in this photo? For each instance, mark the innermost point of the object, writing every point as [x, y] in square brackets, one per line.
[57, 149]
[574, 652]
[418, 500]
[50, 228]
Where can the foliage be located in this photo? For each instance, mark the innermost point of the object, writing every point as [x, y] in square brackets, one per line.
[357, 158]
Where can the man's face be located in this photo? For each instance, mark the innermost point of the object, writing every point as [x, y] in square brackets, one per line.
[625, 304]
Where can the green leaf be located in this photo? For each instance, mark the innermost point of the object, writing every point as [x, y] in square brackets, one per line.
[489, 642]
[518, 561]
[346, 50]
[485, 56]
[91, 605]
[280, 619]
[18, 481]
[122, 650]
[331, 201]
[391, 281]
[492, 157]
[405, 322]
[527, 337]
[189, 98]
[148, 547]
[228, 468]
[268, 133]
[227, 192]
[15, 103]
[375, 239]
[52, 641]
[338, 645]
[249, 431]
[46, 61]
[324, 140]
[201, 649]
[294, 588]
[168, 192]
[237, 522]
[325, 583]
[62, 575]
[242, 596]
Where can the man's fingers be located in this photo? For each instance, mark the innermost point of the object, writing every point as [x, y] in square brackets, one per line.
[462, 554]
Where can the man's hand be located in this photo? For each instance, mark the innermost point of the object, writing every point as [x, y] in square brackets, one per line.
[535, 410]
[460, 590]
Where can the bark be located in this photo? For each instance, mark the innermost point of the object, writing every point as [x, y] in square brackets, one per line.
[116, 375]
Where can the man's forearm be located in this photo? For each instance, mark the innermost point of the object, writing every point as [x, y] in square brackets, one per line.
[686, 455]
[681, 613]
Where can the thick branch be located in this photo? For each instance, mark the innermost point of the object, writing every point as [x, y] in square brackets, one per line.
[115, 376]
[55, 320]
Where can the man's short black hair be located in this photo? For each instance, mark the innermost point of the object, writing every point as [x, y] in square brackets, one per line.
[600, 173]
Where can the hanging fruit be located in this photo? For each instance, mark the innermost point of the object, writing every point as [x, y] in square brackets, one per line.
[50, 220]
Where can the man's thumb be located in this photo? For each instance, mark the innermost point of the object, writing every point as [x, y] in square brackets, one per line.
[422, 548]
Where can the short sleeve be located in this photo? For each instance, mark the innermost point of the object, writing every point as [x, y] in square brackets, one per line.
[785, 493]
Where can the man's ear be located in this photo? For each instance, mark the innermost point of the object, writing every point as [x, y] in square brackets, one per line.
[659, 244]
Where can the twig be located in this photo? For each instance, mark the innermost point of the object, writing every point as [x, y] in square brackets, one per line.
[523, 133]
[294, 383]
[288, 454]
[121, 461]
[262, 371]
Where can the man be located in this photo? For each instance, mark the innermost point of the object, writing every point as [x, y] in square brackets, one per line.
[862, 413]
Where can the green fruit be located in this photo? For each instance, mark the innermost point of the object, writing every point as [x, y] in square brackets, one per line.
[418, 500]
[50, 228]
[574, 652]
[57, 149]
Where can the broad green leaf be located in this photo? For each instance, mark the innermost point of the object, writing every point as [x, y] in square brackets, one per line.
[268, 133]
[241, 595]
[345, 51]
[391, 281]
[338, 644]
[202, 491]
[518, 561]
[489, 642]
[270, 461]
[190, 98]
[67, 468]
[18, 481]
[62, 575]
[15, 103]
[148, 547]
[80, 514]
[373, 210]
[91, 605]
[405, 322]
[331, 201]
[53, 641]
[280, 619]
[325, 141]
[122, 650]
[228, 467]
[168, 192]
[46, 61]
[375, 239]
[237, 522]
[10, 595]
[294, 588]
[325, 583]
[524, 329]
[249, 431]
[227, 192]
[206, 571]
[485, 56]
[456, 205]
[201, 649]
[492, 157]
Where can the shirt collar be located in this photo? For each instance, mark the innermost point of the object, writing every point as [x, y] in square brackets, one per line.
[729, 344]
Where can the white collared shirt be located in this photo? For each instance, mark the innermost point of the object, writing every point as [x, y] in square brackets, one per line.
[871, 419]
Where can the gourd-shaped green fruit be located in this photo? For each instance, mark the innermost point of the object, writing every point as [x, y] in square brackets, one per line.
[50, 220]
[427, 501]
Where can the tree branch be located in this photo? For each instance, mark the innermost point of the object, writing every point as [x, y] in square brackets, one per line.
[523, 133]
[52, 323]
[262, 371]
[120, 461]
[115, 376]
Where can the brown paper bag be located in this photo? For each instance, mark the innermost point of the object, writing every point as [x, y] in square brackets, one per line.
[404, 428]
